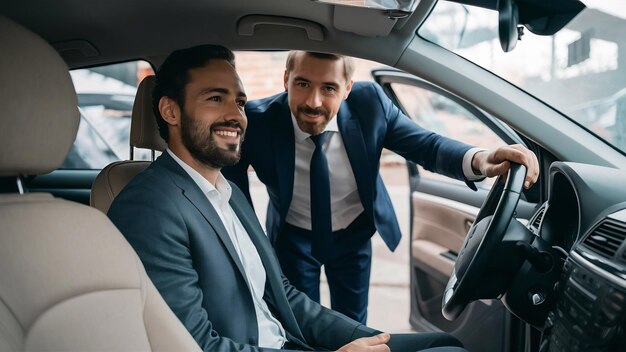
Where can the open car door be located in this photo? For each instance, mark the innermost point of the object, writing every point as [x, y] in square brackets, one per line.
[442, 210]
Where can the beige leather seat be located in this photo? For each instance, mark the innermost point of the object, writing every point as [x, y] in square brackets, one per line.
[144, 133]
[69, 281]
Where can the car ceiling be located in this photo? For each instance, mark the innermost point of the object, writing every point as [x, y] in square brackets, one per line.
[91, 33]
[118, 30]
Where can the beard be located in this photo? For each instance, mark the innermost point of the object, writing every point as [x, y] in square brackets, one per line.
[201, 144]
[308, 127]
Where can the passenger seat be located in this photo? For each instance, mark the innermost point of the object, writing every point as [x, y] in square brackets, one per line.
[69, 281]
[144, 133]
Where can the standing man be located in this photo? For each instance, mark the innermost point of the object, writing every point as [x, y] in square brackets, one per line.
[317, 148]
[199, 239]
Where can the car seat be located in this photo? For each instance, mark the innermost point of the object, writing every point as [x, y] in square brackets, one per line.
[68, 278]
[144, 133]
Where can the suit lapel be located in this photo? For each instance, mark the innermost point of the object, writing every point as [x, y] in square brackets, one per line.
[283, 143]
[248, 219]
[272, 268]
[192, 192]
[352, 136]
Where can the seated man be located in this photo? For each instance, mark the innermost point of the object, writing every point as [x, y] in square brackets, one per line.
[200, 240]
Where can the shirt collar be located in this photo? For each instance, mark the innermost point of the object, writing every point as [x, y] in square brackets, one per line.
[301, 135]
[221, 189]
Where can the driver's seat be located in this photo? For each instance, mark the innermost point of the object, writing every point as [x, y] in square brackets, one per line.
[69, 281]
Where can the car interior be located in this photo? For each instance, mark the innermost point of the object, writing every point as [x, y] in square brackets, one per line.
[501, 268]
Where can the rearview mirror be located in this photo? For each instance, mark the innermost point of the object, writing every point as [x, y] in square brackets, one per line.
[508, 19]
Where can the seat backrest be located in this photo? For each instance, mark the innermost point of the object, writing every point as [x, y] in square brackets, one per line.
[69, 281]
[144, 133]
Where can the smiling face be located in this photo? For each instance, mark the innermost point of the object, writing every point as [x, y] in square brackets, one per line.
[212, 122]
[316, 87]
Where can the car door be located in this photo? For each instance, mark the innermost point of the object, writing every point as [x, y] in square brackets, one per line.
[442, 210]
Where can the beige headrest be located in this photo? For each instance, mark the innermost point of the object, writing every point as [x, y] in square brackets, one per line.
[144, 131]
[40, 115]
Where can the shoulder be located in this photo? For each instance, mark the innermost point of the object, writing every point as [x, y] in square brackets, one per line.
[263, 116]
[149, 203]
[153, 185]
[261, 106]
[367, 99]
[362, 90]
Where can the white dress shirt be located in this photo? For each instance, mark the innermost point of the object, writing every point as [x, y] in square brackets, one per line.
[345, 203]
[271, 332]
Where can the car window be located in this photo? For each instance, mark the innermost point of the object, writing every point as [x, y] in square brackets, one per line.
[105, 101]
[579, 71]
[444, 116]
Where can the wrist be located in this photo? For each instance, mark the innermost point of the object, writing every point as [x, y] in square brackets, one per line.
[476, 162]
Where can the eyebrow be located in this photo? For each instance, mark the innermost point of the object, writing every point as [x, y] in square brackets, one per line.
[334, 84]
[210, 90]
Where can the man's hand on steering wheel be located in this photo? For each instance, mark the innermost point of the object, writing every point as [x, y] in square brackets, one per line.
[496, 162]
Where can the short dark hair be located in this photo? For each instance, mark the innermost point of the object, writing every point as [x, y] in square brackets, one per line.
[172, 76]
[348, 62]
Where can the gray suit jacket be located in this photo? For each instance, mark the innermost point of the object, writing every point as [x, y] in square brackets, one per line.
[191, 260]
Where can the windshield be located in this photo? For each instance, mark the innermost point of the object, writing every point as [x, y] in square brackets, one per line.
[580, 71]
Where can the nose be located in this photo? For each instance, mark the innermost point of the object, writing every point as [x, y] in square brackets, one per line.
[314, 99]
[236, 114]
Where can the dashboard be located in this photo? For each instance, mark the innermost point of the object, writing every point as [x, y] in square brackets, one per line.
[584, 223]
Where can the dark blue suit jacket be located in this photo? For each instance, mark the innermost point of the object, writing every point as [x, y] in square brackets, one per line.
[368, 122]
[189, 256]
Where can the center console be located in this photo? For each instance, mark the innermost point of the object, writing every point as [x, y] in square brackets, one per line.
[591, 312]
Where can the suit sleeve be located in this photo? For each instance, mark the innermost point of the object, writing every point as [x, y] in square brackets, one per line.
[156, 230]
[429, 149]
[321, 326]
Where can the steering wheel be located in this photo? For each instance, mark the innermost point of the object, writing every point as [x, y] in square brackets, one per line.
[470, 279]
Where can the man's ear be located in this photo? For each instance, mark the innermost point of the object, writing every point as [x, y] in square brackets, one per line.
[348, 89]
[169, 111]
[286, 80]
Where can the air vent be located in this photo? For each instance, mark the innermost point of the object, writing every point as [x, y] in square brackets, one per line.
[607, 237]
[538, 218]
